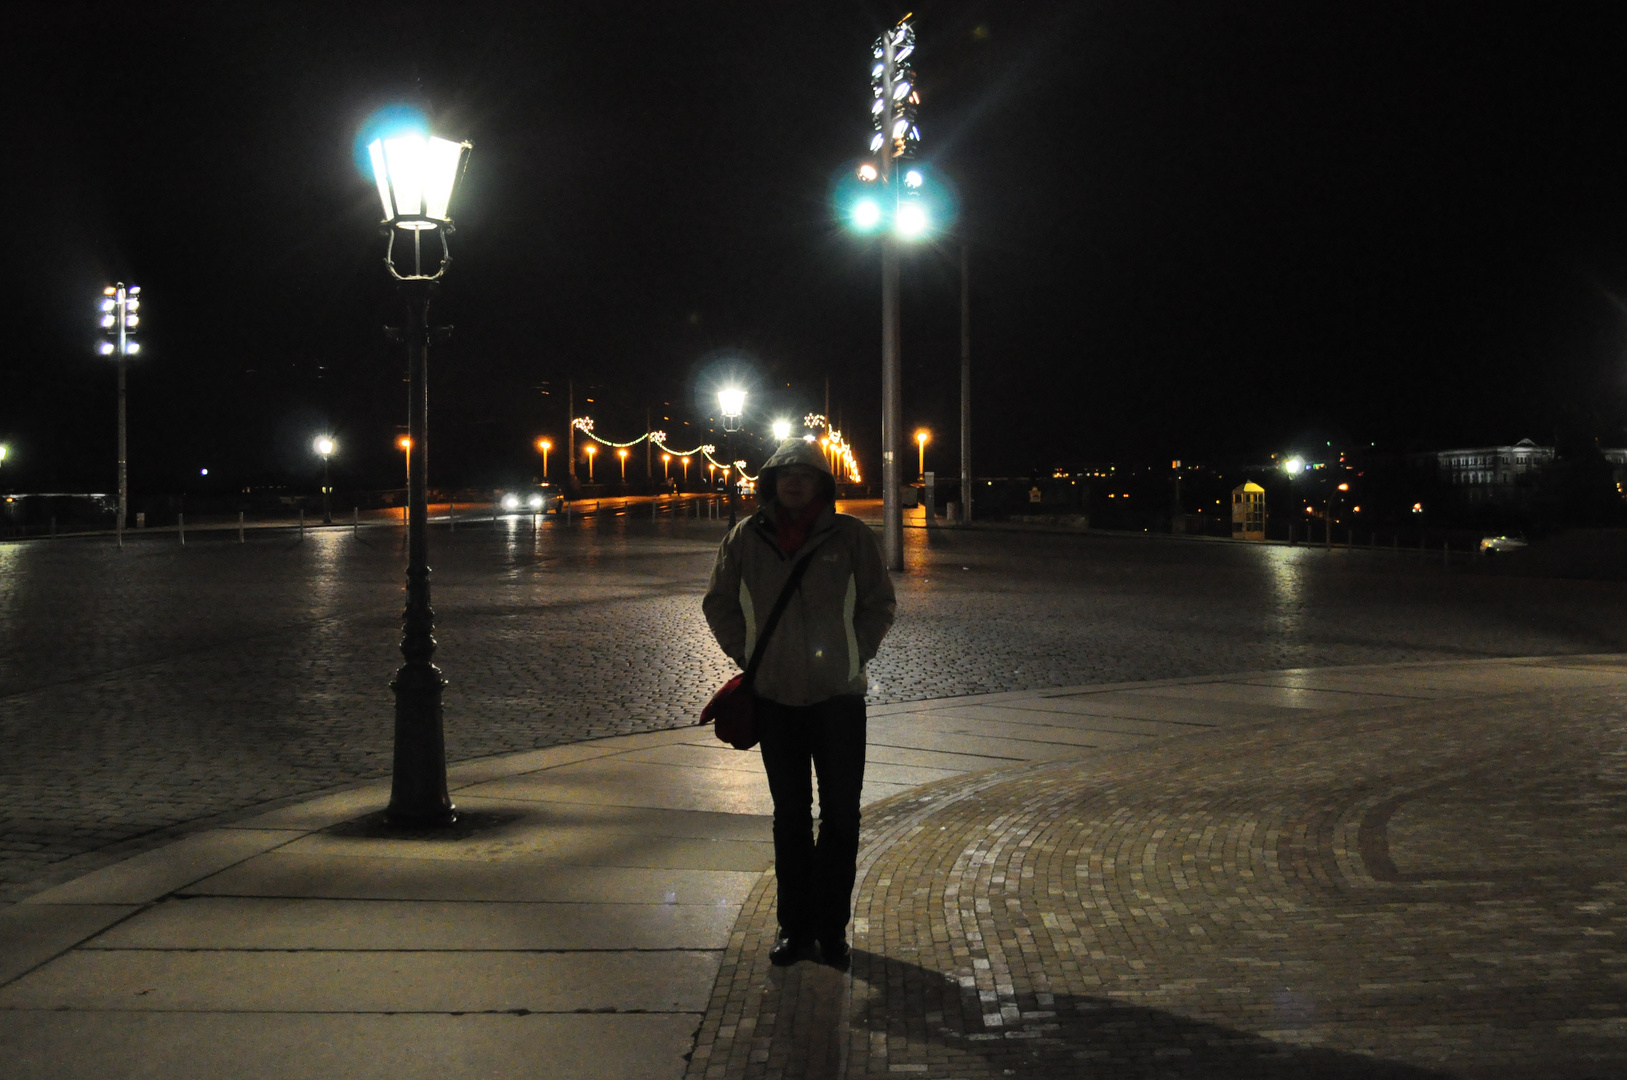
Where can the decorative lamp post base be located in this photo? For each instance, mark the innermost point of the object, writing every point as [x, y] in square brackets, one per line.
[418, 796]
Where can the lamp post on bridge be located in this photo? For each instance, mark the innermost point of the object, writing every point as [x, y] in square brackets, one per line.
[416, 177]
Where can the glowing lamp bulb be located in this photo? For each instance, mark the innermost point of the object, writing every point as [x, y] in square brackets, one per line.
[867, 172]
[912, 220]
[866, 214]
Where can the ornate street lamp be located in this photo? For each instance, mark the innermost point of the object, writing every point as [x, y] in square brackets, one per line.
[731, 403]
[416, 177]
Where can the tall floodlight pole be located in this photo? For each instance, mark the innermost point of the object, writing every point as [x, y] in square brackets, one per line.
[119, 320]
[889, 199]
[416, 177]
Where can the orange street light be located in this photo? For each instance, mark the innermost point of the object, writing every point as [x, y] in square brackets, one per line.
[544, 446]
[666, 466]
[685, 460]
[921, 439]
[591, 450]
[404, 443]
[622, 453]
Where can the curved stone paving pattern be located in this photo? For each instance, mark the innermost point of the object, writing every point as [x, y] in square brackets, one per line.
[1419, 891]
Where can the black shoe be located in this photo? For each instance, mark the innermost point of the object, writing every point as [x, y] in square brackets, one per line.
[788, 950]
[836, 953]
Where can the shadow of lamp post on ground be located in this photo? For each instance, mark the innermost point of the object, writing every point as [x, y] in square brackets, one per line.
[416, 175]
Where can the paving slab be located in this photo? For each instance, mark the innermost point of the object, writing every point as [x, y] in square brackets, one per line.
[357, 982]
[366, 878]
[1260, 695]
[153, 874]
[313, 1046]
[31, 934]
[303, 923]
[556, 846]
[630, 783]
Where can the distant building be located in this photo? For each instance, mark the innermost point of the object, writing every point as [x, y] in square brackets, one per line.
[1492, 474]
[1502, 475]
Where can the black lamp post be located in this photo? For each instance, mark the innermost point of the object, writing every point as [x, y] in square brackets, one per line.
[416, 177]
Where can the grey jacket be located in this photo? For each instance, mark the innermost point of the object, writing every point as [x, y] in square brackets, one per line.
[834, 622]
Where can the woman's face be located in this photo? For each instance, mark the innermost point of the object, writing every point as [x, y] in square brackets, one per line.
[795, 485]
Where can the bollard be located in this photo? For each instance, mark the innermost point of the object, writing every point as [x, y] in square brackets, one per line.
[180, 527]
[302, 523]
[355, 521]
[653, 507]
[240, 526]
[567, 513]
[451, 515]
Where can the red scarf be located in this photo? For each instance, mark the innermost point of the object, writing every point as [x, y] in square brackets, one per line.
[791, 528]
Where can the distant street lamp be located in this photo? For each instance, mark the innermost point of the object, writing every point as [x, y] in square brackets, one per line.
[416, 177]
[325, 447]
[544, 446]
[922, 437]
[666, 466]
[119, 322]
[590, 450]
[731, 402]
[622, 453]
[685, 460]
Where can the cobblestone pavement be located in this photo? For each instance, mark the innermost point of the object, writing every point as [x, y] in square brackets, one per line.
[1416, 891]
[143, 693]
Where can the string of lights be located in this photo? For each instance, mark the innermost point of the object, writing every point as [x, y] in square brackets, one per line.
[584, 424]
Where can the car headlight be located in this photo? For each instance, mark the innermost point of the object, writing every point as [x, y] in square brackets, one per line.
[511, 502]
[535, 502]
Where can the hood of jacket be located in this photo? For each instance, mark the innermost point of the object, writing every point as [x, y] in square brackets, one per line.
[796, 452]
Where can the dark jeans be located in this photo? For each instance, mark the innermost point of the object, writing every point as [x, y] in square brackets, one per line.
[815, 878]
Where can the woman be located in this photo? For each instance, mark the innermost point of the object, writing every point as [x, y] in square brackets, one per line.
[810, 684]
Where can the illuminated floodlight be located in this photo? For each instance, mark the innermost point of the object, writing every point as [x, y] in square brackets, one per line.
[132, 347]
[912, 178]
[109, 322]
[323, 445]
[866, 214]
[1294, 466]
[867, 173]
[876, 140]
[105, 348]
[911, 221]
[782, 429]
[109, 305]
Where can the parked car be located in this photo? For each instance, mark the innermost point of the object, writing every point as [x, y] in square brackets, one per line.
[1491, 545]
[530, 499]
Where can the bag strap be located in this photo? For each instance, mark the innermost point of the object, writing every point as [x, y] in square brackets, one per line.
[780, 605]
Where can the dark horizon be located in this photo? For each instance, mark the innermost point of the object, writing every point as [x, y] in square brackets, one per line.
[1195, 232]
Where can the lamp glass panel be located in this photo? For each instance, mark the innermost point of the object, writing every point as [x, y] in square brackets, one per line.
[381, 176]
[405, 160]
[441, 157]
[731, 402]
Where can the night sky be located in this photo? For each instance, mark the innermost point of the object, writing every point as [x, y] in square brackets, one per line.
[1197, 230]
